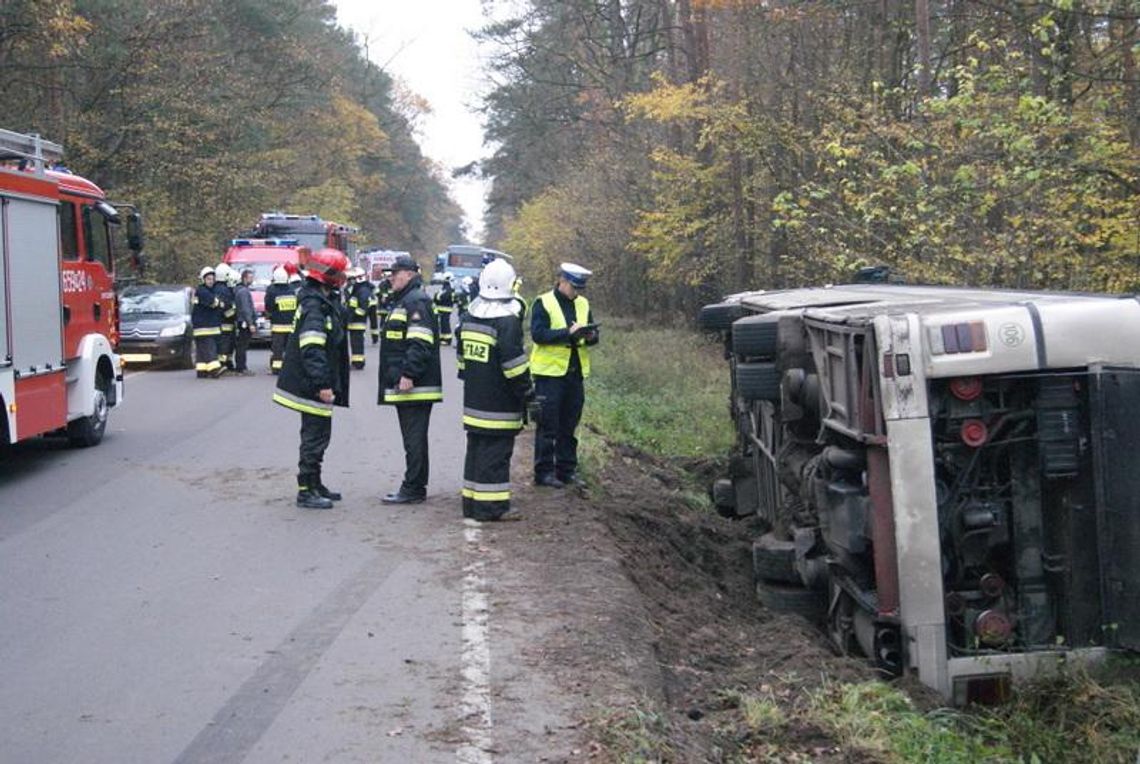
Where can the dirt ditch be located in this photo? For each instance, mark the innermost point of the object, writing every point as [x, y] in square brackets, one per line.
[650, 619]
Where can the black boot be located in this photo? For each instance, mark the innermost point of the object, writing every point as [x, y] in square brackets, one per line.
[313, 500]
[323, 490]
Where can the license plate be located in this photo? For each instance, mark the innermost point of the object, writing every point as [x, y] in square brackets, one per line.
[137, 357]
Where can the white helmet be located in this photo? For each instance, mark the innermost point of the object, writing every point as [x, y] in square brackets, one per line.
[354, 273]
[207, 271]
[496, 280]
[233, 278]
[280, 275]
[222, 271]
[294, 278]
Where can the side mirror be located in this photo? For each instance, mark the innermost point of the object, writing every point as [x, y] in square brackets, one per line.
[135, 237]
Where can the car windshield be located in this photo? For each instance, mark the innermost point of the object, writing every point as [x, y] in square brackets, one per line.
[262, 272]
[171, 303]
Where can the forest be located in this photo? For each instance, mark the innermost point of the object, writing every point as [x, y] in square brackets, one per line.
[207, 113]
[692, 148]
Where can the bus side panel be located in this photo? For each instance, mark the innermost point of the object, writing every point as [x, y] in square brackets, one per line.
[41, 404]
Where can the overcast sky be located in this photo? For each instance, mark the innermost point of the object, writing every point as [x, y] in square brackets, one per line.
[425, 43]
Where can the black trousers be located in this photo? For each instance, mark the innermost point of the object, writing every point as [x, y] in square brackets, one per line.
[445, 327]
[487, 475]
[555, 444]
[316, 432]
[277, 343]
[241, 345]
[356, 343]
[414, 419]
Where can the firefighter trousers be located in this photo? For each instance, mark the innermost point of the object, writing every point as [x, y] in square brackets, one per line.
[356, 343]
[555, 442]
[206, 355]
[487, 475]
[277, 343]
[445, 327]
[316, 432]
[414, 419]
[226, 347]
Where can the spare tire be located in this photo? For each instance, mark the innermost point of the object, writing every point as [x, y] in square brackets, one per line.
[759, 381]
[719, 316]
[755, 336]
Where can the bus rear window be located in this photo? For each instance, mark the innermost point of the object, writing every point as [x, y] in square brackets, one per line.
[460, 260]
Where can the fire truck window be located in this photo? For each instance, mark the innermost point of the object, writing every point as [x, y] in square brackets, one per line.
[68, 236]
[98, 240]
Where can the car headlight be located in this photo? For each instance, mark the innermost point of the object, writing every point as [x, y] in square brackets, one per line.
[173, 331]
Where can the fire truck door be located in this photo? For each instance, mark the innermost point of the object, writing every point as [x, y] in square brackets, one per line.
[1115, 413]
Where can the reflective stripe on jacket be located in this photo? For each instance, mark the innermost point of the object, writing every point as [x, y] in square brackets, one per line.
[554, 360]
[409, 347]
[495, 374]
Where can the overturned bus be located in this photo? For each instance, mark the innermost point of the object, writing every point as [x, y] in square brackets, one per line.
[948, 478]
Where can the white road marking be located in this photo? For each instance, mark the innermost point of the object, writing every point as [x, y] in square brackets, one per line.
[476, 655]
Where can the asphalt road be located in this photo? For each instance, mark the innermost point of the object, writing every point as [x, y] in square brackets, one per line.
[163, 600]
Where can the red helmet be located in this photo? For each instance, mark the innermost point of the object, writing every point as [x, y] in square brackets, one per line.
[290, 267]
[328, 266]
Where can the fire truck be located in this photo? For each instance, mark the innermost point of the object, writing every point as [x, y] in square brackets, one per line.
[945, 478]
[59, 370]
[308, 230]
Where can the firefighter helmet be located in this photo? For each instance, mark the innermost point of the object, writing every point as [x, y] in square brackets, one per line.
[280, 275]
[496, 279]
[328, 266]
[222, 271]
[207, 271]
[290, 267]
[295, 278]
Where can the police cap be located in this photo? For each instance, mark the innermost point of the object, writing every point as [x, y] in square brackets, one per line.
[575, 274]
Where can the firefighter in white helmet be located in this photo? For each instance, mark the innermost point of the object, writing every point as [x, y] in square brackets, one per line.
[280, 305]
[496, 391]
[206, 321]
[225, 292]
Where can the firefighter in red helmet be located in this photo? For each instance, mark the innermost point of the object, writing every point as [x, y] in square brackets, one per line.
[314, 374]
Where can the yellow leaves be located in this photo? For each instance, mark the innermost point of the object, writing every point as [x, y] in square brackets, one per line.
[672, 103]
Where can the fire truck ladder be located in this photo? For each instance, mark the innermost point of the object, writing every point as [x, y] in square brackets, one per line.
[30, 149]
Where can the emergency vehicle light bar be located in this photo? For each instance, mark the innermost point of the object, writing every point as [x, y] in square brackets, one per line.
[264, 242]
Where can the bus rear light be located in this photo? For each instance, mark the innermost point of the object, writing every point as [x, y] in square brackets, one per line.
[966, 388]
[993, 627]
[974, 433]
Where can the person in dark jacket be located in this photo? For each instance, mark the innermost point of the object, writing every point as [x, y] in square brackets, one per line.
[563, 329]
[314, 376]
[444, 306]
[358, 298]
[280, 307]
[245, 321]
[206, 323]
[496, 389]
[410, 376]
[224, 289]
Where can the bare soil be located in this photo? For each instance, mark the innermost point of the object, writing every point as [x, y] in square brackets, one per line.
[649, 621]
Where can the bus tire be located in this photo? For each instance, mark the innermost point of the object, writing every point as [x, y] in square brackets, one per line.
[758, 381]
[755, 336]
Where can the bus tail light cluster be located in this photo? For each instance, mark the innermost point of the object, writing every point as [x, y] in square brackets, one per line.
[964, 337]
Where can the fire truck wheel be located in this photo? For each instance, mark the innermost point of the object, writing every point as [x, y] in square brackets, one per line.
[88, 431]
[794, 600]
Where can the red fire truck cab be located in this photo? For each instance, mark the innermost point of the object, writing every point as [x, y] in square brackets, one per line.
[59, 370]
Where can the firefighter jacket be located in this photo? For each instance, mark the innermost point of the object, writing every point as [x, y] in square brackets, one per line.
[409, 347]
[495, 368]
[280, 306]
[206, 315]
[555, 352]
[445, 299]
[225, 294]
[360, 304]
[316, 357]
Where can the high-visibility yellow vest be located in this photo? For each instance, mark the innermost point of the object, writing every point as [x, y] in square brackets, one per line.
[554, 360]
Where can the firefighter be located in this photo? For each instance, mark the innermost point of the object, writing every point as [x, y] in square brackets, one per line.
[246, 321]
[496, 390]
[280, 305]
[562, 329]
[384, 297]
[358, 297]
[206, 320]
[410, 376]
[444, 301]
[314, 377]
[225, 291]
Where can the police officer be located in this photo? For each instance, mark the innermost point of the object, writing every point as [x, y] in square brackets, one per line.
[315, 376]
[358, 295]
[280, 305]
[562, 329]
[224, 289]
[444, 305]
[206, 321]
[246, 321]
[496, 388]
[410, 376]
